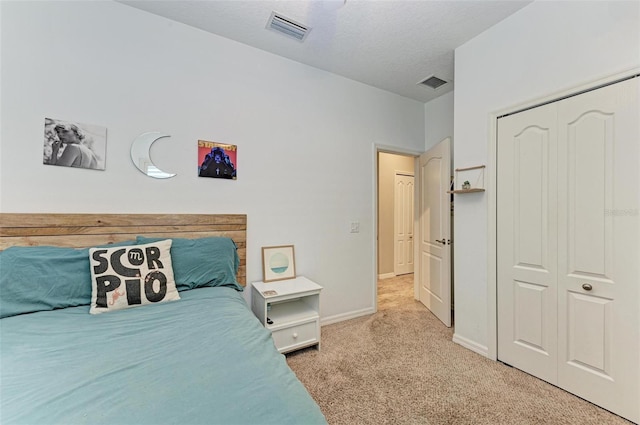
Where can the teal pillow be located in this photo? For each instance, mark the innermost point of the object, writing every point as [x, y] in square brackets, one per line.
[211, 261]
[36, 278]
[39, 278]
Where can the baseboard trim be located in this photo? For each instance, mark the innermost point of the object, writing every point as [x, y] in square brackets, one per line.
[471, 345]
[386, 275]
[346, 316]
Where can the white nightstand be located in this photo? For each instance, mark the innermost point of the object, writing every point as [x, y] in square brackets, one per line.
[294, 311]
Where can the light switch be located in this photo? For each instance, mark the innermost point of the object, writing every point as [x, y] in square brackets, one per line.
[355, 227]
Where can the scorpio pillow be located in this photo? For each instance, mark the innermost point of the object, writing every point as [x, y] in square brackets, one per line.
[131, 276]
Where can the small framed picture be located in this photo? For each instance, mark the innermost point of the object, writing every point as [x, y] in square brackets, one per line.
[217, 160]
[73, 144]
[278, 263]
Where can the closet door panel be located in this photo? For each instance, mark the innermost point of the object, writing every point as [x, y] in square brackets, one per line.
[589, 328]
[598, 248]
[527, 234]
[588, 165]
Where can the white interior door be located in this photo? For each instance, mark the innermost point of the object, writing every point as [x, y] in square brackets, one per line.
[599, 248]
[568, 189]
[527, 240]
[403, 224]
[434, 252]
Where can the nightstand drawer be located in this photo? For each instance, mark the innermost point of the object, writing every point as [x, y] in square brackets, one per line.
[298, 336]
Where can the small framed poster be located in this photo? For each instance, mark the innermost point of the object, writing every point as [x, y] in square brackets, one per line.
[278, 263]
[217, 160]
[72, 144]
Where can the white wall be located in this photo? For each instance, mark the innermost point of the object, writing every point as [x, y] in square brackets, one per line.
[438, 120]
[305, 137]
[544, 48]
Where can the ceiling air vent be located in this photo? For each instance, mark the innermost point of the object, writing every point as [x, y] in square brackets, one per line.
[287, 26]
[433, 82]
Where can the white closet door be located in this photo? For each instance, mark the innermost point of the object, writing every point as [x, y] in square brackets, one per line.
[568, 269]
[527, 240]
[598, 247]
[403, 224]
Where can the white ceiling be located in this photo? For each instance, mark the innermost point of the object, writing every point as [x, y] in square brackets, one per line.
[392, 44]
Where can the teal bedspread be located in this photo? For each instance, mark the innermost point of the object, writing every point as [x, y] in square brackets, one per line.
[204, 359]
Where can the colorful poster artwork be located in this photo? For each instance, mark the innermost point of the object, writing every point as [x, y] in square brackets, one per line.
[72, 144]
[217, 160]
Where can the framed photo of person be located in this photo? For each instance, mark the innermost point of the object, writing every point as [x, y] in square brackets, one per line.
[278, 263]
[73, 144]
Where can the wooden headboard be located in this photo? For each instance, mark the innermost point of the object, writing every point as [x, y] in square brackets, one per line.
[86, 230]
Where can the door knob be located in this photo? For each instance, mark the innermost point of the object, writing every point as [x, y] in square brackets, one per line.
[587, 286]
[441, 241]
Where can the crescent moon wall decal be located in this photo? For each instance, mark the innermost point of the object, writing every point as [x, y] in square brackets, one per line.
[140, 155]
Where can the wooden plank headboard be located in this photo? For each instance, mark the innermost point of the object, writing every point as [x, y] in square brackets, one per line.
[86, 230]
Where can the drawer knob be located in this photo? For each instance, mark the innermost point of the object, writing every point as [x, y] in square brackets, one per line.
[587, 287]
[295, 334]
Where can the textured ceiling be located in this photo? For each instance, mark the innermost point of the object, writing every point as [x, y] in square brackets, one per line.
[392, 44]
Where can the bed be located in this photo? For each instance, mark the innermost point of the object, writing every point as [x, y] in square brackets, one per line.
[201, 358]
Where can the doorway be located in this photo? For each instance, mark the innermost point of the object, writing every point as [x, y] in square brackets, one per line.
[395, 213]
[394, 171]
[391, 166]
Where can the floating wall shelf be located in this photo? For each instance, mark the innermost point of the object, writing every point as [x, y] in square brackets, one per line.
[475, 174]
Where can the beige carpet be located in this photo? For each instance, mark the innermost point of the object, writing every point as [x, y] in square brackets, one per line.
[399, 366]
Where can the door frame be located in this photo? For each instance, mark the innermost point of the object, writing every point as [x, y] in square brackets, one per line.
[492, 227]
[396, 151]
